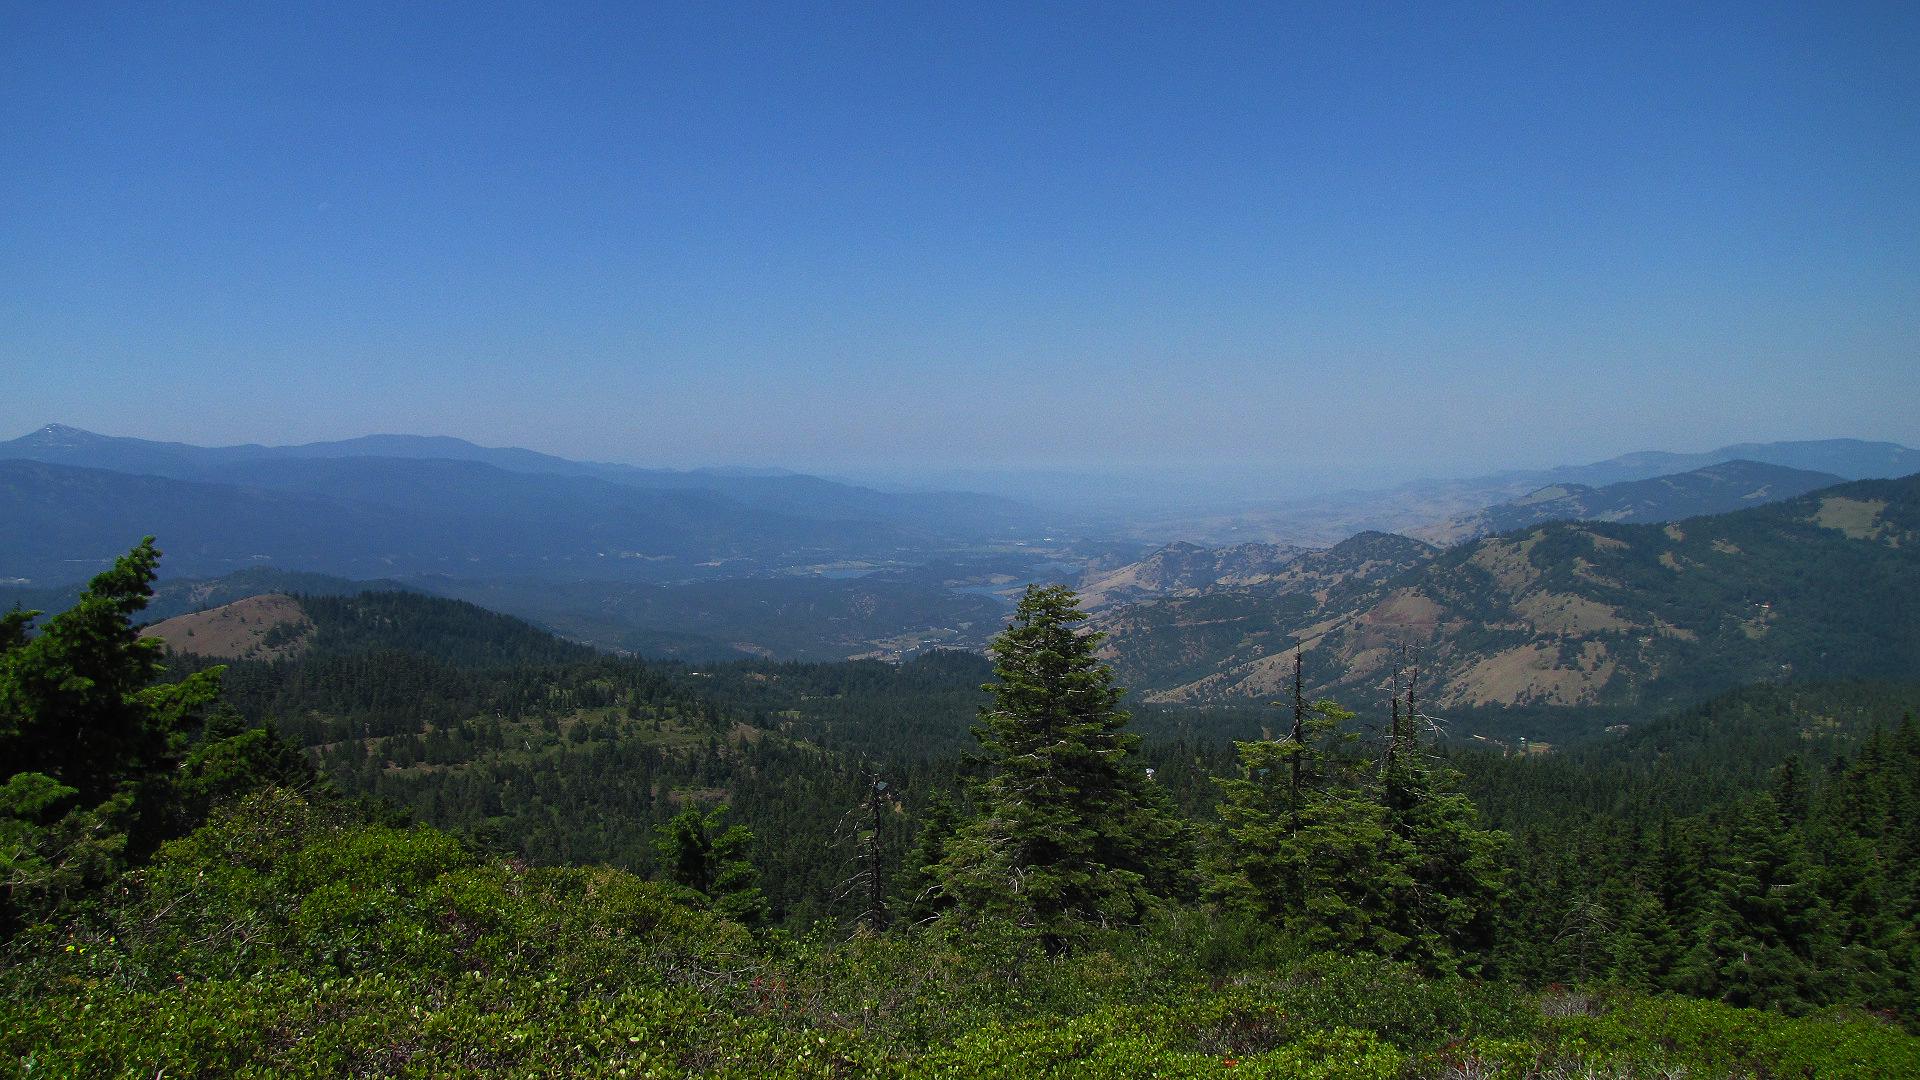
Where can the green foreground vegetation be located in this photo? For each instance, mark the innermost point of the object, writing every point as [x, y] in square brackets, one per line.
[187, 895]
[288, 938]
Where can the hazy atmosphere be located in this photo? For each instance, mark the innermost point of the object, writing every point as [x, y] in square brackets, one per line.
[1365, 245]
[1126, 541]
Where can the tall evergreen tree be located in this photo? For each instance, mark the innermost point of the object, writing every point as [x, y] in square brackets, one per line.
[1304, 846]
[1764, 939]
[91, 742]
[79, 700]
[919, 896]
[1071, 830]
[1389, 860]
[698, 851]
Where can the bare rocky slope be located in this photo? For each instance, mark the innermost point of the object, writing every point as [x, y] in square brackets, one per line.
[1570, 613]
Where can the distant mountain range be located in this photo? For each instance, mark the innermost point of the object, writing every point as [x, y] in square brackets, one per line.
[390, 517]
[1184, 569]
[1849, 459]
[406, 505]
[1713, 489]
[785, 493]
[1824, 585]
[1420, 505]
[710, 565]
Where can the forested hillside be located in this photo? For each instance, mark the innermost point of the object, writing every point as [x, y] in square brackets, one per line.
[836, 892]
[1575, 614]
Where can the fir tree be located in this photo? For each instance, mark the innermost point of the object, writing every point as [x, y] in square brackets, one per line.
[1448, 913]
[916, 883]
[1304, 847]
[90, 742]
[79, 700]
[698, 851]
[1071, 831]
[1390, 861]
[1763, 939]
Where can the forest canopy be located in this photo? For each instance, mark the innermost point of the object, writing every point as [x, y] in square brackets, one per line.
[371, 859]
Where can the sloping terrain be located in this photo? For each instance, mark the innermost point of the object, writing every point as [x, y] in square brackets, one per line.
[1824, 585]
[1182, 567]
[482, 723]
[794, 495]
[1411, 507]
[1166, 642]
[266, 627]
[797, 618]
[182, 596]
[386, 517]
[1715, 489]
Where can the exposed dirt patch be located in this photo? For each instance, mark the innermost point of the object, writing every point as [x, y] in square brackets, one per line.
[1405, 608]
[256, 628]
[1532, 674]
[1507, 562]
[1586, 571]
[1672, 631]
[1265, 677]
[1567, 614]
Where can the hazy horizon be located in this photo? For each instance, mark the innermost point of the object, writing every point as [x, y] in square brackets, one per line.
[1163, 487]
[1357, 248]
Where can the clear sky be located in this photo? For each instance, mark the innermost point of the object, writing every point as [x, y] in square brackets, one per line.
[1423, 239]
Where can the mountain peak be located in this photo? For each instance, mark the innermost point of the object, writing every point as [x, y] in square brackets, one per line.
[65, 430]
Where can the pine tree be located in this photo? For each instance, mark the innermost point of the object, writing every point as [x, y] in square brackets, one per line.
[1071, 831]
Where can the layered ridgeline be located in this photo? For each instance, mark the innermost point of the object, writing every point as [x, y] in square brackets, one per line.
[788, 494]
[1572, 613]
[1169, 641]
[383, 517]
[801, 618]
[1715, 489]
[397, 506]
[1419, 505]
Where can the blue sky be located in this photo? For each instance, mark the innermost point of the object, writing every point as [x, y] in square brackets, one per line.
[1332, 238]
